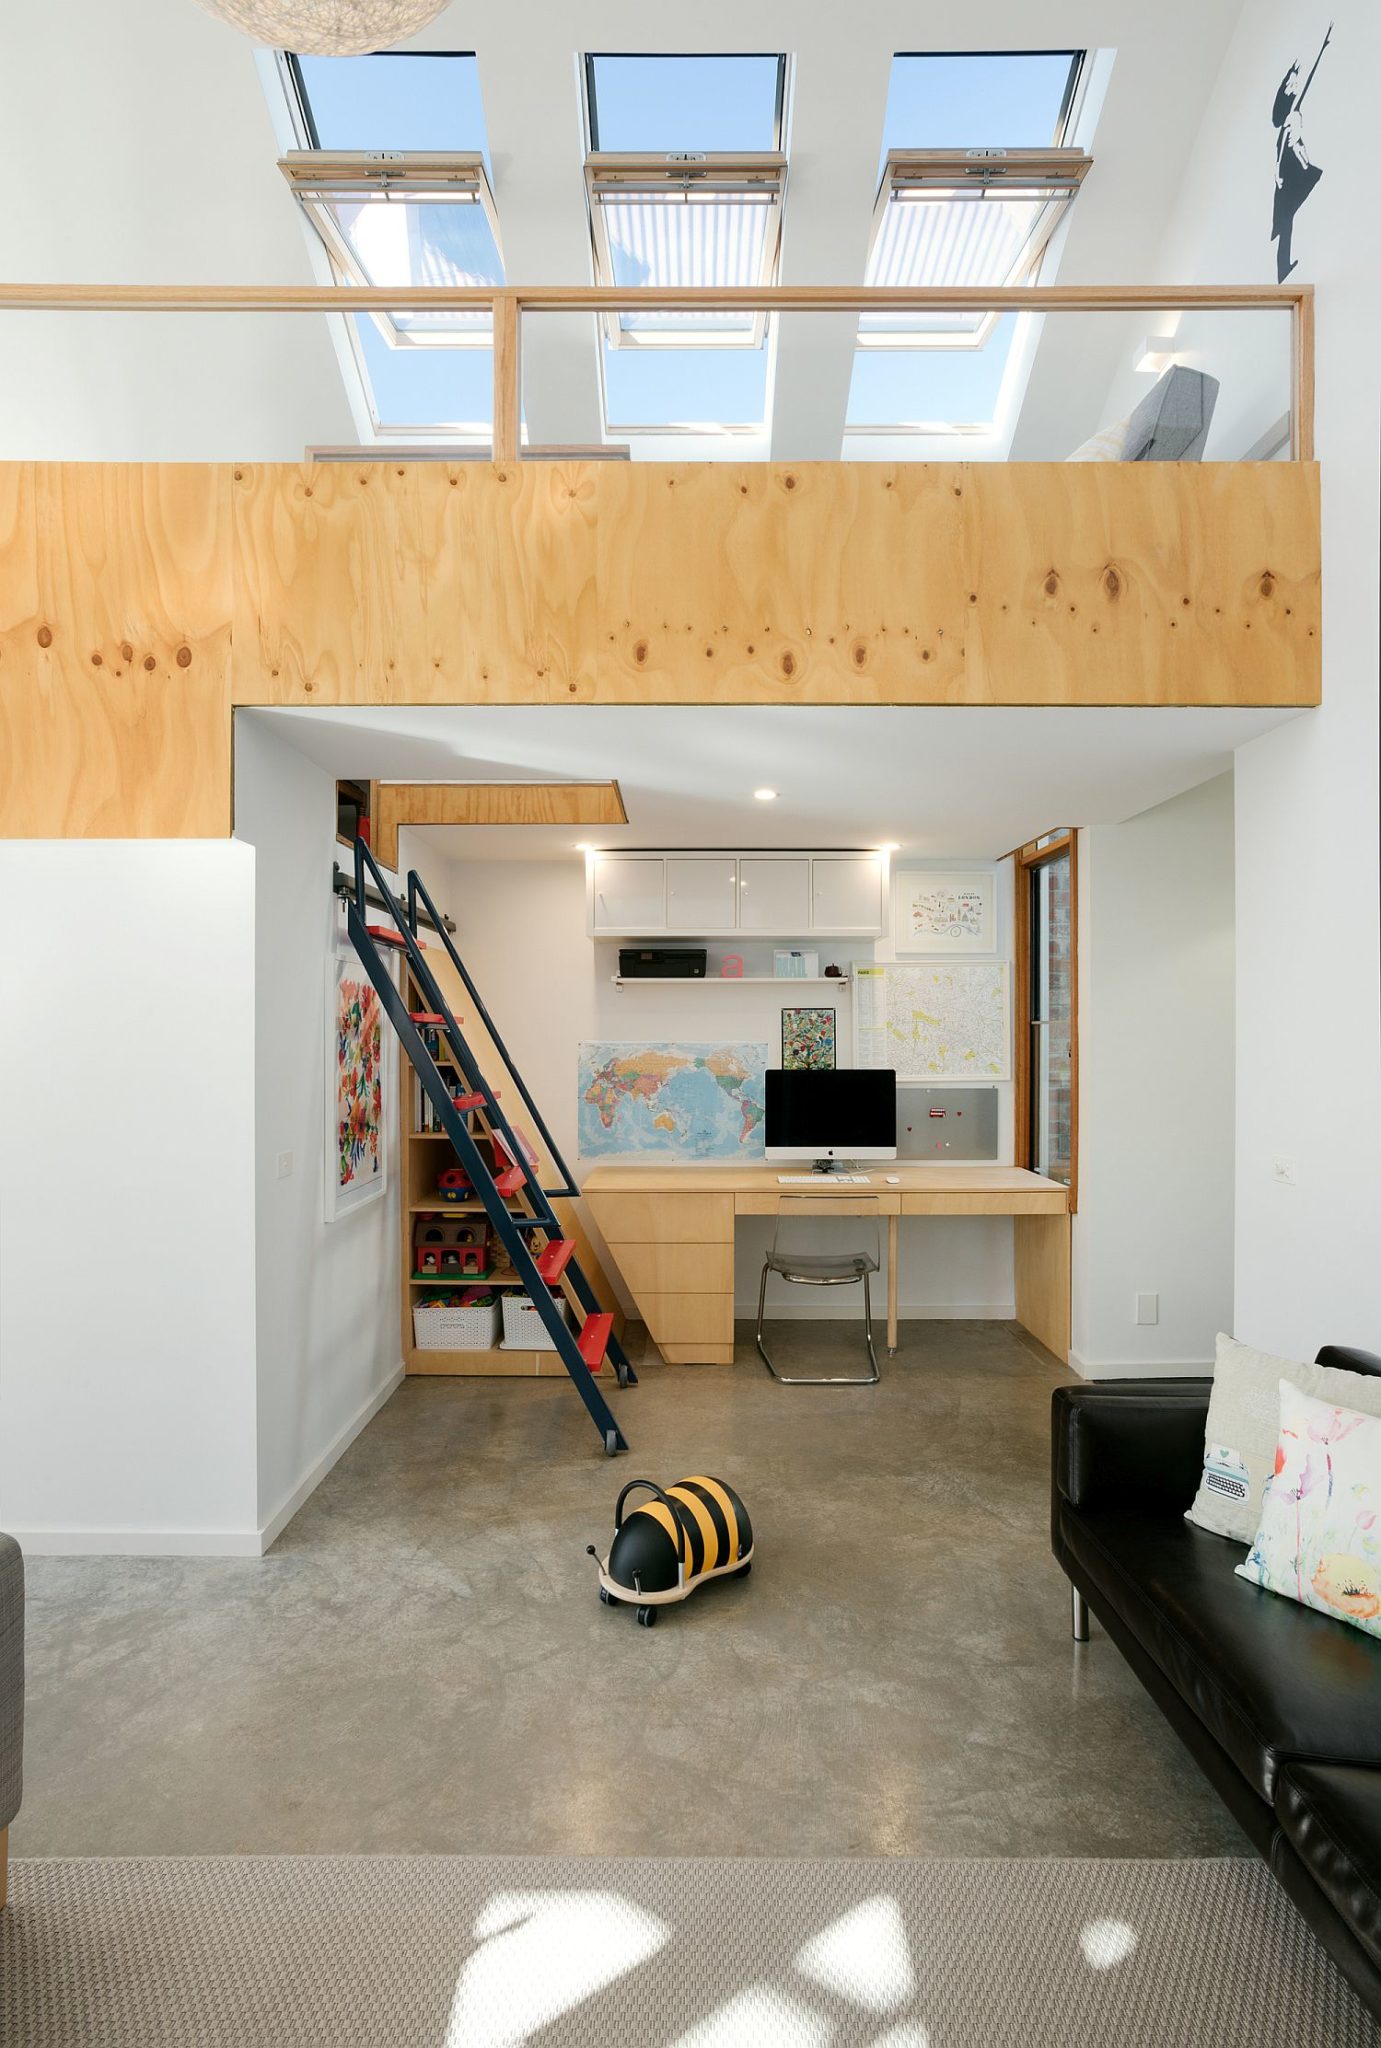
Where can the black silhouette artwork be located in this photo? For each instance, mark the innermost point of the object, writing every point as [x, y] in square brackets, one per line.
[1296, 176]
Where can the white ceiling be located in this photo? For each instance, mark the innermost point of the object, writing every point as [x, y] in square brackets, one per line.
[938, 780]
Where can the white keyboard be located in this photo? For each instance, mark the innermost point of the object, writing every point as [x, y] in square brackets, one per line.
[823, 1180]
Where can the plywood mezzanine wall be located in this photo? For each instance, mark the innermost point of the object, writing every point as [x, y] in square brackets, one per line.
[140, 603]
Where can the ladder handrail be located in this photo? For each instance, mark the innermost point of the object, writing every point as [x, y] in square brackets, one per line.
[418, 888]
[509, 1228]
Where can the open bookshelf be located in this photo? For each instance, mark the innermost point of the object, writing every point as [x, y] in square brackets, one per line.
[424, 1154]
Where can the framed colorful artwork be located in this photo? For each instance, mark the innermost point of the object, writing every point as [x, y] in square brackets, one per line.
[356, 1096]
[808, 1038]
[937, 912]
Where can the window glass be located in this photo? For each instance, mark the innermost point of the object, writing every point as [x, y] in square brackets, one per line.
[1052, 1016]
[674, 103]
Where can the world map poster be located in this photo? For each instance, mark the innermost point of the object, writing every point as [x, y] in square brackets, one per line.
[671, 1101]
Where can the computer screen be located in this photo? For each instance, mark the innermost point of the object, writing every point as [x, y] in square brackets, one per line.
[847, 1113]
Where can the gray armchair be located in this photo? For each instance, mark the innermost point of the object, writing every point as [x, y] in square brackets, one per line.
[11, 1696]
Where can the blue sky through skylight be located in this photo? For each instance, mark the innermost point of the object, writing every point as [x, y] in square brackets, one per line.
[1010, 100]
[657, 104]
[413, 101]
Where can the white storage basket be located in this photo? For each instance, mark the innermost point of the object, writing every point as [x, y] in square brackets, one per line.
[523, 1328]
[438, 1327]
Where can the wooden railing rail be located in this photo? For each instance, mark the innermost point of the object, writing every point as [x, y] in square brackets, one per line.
[508, 304]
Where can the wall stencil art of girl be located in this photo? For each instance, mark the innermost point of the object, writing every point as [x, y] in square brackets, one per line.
[1296, 175]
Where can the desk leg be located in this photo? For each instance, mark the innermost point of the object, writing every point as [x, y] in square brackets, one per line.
[891, 1286]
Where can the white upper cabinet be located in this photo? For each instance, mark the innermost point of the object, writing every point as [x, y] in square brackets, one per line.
[774, 894]
[735, 895]
[627, 894]
[702, 891]
[846, 894]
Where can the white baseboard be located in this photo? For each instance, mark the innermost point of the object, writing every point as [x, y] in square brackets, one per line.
[851, 1311]
[138, 1542]
[340, 1444]
[207, 1542]
[1141, 1368]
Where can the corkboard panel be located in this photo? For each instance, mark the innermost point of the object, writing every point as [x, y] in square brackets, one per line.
[114, 651]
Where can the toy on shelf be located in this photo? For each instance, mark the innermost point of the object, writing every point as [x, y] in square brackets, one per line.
[445, 1249]
[667, 1546]
[453, 1185]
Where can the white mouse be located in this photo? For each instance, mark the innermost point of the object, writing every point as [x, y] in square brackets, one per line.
[893, 1180]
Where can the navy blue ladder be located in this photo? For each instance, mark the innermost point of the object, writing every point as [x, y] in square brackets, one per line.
[553, 1265]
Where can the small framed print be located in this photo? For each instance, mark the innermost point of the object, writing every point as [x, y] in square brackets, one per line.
[808, 1039]
[937, 912]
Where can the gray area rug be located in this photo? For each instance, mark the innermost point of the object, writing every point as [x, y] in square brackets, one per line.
[493, 1952]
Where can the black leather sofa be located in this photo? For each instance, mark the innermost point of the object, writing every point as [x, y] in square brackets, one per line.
[1280, 1706]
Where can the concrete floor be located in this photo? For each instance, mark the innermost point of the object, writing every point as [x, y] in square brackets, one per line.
[422, 1662]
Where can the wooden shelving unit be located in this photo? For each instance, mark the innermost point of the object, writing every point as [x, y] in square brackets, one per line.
[423, 1156]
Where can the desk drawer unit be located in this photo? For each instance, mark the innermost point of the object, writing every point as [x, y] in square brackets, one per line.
[675, 1251]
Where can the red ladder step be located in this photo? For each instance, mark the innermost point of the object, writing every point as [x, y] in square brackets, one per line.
[467, 1101]
[593, 1341]
[555, 1258]
[426, 1016]
[383, 936]
[508, 1183]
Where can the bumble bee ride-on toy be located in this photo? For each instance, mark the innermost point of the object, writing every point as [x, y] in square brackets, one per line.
[667, 1546]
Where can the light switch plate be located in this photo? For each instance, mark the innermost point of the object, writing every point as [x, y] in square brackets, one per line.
[1148, 1308]
[285, 1165]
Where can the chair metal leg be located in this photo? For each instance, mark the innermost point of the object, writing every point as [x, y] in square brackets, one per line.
[784, 1379]
[1079, 1615]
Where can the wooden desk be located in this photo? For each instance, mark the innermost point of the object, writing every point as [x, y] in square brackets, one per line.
[670, 1231]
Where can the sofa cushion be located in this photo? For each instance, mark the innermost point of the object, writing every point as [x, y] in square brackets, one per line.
[1268, 1679]
[1331, 1816]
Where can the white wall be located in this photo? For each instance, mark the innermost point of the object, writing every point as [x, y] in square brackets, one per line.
[1308, 947]
[1156, 1086]
[136, 147]
[127, 1293]
[329, 1343]
[522, 934]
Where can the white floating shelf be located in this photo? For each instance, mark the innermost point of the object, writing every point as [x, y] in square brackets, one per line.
[730, 980]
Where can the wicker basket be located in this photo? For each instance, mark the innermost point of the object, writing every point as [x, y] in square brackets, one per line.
[523, 1328]
[437, 1326]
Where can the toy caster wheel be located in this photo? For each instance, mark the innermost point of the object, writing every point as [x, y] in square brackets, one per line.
[606, 1596]
[742, 1571]
[647, 1617]
[611, 1443]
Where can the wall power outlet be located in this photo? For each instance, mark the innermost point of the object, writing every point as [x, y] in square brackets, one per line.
[285, 1165]
[1148, 1308]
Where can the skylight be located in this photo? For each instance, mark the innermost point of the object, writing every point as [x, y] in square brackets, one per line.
[685, 178]
[976, 175]
[393, 176]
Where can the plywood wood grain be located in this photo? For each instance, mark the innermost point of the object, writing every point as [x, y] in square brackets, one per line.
[114, 650]
[688, 1318]
[136, 601]
[686, 1217]
[676, 1268]
[1041, 1271]
[489, 803]
[414, 583]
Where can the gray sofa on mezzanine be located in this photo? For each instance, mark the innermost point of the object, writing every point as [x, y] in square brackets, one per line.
[11, 1695]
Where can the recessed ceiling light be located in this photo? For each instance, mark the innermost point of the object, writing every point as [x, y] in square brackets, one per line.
[890, 846]
[583, 846]
[765, 796]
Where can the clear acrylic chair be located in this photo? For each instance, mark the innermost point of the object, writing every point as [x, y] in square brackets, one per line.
[823, 1269]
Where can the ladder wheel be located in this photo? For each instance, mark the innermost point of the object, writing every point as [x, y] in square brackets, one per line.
[625, 1377]
[647, 1617]
[611, 1442]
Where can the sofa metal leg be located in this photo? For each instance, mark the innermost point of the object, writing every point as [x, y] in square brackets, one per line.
[1079, 1612]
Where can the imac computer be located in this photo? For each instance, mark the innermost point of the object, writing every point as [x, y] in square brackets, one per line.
[831, 1118]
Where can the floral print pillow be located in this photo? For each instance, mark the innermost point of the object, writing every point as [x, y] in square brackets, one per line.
[1320, 1535]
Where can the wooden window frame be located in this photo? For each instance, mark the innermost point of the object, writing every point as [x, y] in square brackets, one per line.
[1025, 859]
